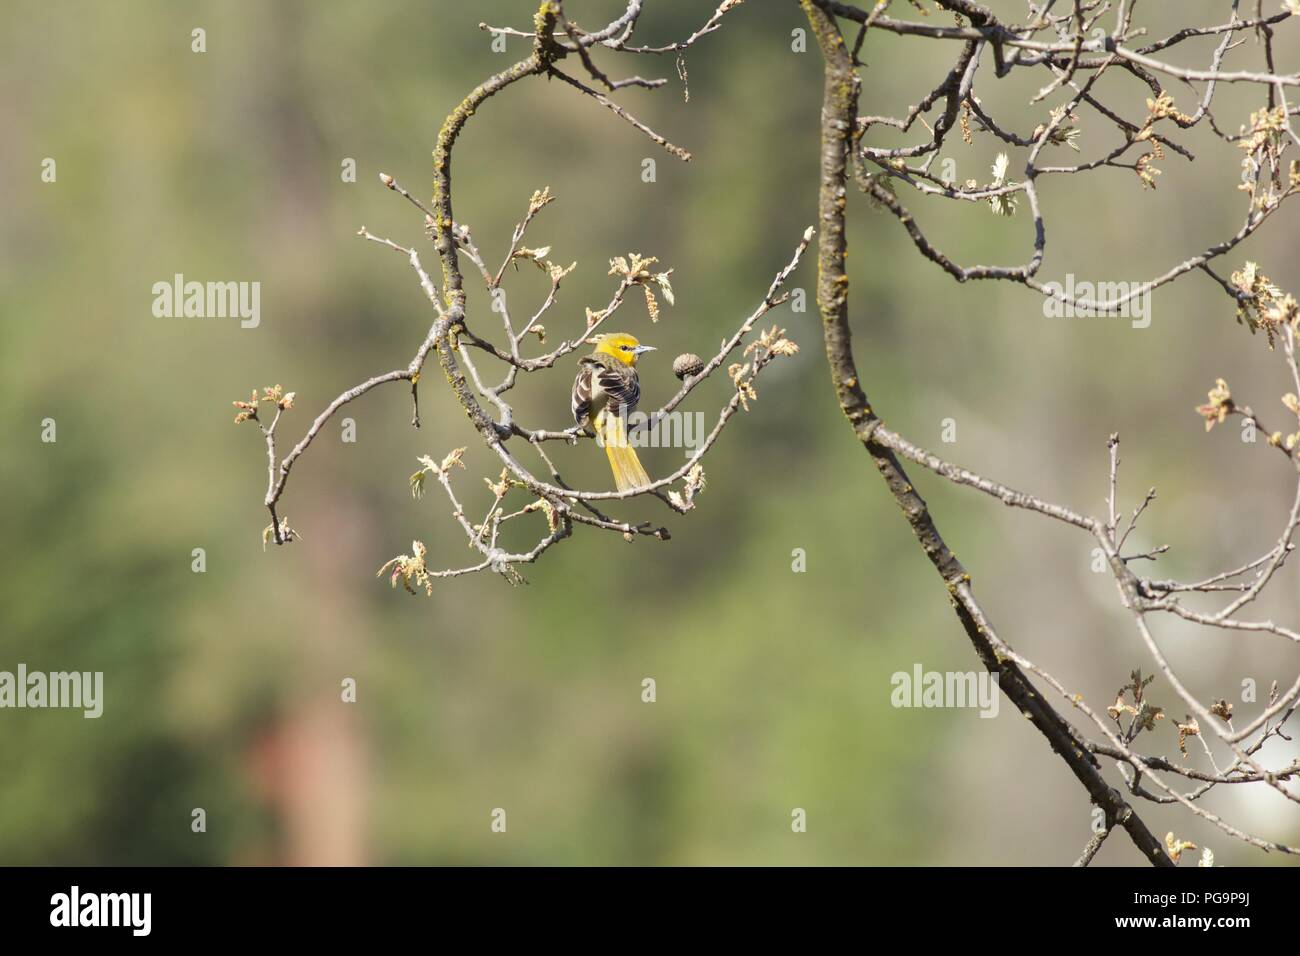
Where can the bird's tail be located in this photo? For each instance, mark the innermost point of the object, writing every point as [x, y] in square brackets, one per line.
[623, 462]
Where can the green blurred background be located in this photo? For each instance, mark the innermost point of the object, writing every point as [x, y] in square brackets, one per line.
[223, 688]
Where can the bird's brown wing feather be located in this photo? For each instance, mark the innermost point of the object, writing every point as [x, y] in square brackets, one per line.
[620, 384]
[600, 382]
[581, 399]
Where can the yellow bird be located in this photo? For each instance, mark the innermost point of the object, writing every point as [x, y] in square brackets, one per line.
[605, 392]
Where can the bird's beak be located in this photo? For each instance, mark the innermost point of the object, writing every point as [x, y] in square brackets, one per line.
[643, 348]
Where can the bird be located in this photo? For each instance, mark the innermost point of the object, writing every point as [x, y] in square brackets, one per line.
[605, 391]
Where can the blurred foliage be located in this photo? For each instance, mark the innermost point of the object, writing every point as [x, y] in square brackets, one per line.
[222, 688]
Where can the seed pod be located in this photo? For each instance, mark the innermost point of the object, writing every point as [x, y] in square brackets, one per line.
[686, 364]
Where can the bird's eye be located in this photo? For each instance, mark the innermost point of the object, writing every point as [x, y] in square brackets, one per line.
[626, 348]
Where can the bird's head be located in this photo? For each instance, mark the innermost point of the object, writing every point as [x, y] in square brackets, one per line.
[621, 346]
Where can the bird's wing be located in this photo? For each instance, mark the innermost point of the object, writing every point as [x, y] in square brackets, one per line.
[599, 384]
[581, 398]
[621, 386]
